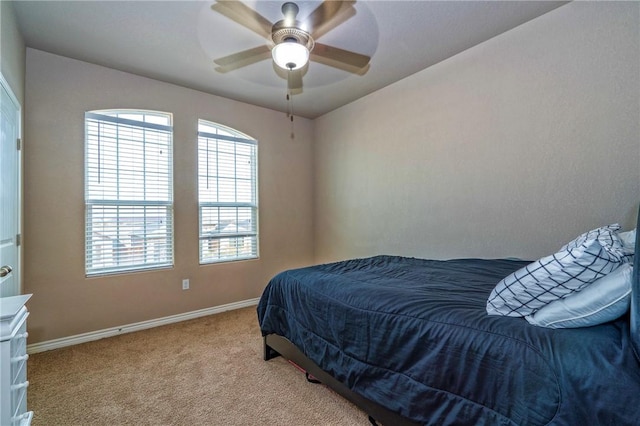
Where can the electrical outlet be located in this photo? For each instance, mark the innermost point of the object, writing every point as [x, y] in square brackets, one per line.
[185, 284]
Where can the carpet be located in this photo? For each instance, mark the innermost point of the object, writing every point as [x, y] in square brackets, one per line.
[206, 371]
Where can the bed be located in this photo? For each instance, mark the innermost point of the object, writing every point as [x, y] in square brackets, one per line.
[410, 342]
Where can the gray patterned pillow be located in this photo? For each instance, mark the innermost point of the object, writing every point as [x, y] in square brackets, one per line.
[577, 264]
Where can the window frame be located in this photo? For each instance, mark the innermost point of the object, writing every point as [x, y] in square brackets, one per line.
[234, 240]
[155, 243]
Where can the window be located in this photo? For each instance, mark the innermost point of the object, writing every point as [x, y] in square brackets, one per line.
[227, 193]
[128, 191]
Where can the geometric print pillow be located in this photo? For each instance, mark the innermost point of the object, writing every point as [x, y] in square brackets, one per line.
[577, 264]
[607, 236]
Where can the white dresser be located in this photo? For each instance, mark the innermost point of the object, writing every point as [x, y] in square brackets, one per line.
[13, 361]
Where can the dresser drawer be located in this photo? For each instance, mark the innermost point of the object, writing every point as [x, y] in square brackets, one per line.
[19, 368]
[19, 398]
[19, 339]
[22, 420]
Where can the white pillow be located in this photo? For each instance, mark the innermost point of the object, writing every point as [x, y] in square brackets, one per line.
[589, 257]
[628, 240]
[603, 300]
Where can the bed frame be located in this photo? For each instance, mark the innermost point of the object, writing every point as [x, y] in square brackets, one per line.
[275, 345]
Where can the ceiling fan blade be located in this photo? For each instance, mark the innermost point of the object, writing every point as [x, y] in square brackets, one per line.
[339, 58]
[244, 15]
[324, 13]
[327, 16]
[242, 59]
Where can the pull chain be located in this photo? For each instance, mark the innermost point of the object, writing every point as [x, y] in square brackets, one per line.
[290, 101]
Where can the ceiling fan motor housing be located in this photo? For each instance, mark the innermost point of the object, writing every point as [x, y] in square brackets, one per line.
[281, 33]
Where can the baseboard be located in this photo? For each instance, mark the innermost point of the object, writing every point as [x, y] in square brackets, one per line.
[129, 328]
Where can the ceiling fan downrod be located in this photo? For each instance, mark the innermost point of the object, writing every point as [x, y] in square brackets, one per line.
[290, 11]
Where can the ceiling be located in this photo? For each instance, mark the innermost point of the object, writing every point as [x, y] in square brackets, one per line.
[177, 41]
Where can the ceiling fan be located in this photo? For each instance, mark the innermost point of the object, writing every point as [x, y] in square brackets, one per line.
[292, 43]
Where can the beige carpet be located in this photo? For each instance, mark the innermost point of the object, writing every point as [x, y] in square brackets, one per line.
[207, 371]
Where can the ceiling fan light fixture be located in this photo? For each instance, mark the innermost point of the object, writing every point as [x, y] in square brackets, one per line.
[290, 55]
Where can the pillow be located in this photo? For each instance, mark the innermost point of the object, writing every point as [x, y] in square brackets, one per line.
[603, 300]
[628, 240]
[607, 236]
[589, 257]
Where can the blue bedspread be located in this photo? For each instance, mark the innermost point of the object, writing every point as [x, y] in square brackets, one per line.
[413, 335]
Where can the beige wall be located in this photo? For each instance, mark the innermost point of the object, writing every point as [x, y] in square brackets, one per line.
[58, 92]
[507, 149]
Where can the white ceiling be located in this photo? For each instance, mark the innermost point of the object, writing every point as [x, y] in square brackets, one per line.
[177, 41]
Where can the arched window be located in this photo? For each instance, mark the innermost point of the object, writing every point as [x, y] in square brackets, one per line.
[128, 191]
[227, 194]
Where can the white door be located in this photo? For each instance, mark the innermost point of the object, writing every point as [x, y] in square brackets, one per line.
[9, 192]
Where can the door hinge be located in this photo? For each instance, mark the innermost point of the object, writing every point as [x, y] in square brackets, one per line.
[18, 239]
[19, 144]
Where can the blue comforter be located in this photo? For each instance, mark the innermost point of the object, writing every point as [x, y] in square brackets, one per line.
[413, 335]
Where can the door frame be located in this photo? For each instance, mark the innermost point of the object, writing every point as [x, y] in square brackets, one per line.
[17, 270]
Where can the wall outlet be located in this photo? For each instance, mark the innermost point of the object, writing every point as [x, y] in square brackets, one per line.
[185, 284]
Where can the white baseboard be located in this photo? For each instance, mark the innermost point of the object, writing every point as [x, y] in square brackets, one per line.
[129, 328]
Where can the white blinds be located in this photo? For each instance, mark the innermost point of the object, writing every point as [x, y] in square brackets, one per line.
[227, 194]
[128, 191]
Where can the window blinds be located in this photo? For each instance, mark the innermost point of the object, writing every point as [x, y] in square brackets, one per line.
[227, 193]
[128, 191]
